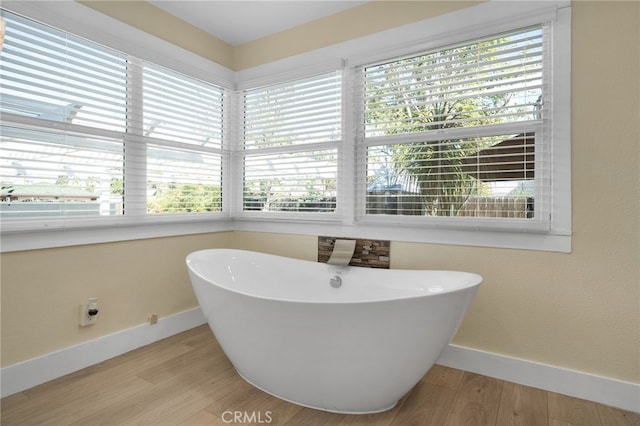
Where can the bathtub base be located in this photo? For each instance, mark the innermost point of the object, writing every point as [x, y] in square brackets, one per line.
[374, 411]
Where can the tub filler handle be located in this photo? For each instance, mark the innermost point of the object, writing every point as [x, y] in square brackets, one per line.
[336, 280]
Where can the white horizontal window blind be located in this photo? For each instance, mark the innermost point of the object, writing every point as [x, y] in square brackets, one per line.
[52, 75]
[183, 127]
[472, 134]
[303, 111]
[292, 135]
[180, 108]
[68, 160]
[47, 174]
[91, 132]
[458, 132]
[296, 181]
[183, 181]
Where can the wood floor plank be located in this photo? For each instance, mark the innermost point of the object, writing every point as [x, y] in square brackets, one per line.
[278, 410]
[86, 380]
[522, 406]
[476, 401]
[175, 410]
[95, 380]
[379, 419]
[202, 418]
[311, 417]
[427, 404]
[384, 418]
[146, 355]
[132, 409]
[556, 422]
[610, 416]
[194, 363]
[54, 410]
[573, 411]
[198, 337]
[196, 382]
[12, 402]
[243, 397]
[222, 385]
[440, 375]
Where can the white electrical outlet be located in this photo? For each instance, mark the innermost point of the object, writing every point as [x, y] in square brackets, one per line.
[89, 312]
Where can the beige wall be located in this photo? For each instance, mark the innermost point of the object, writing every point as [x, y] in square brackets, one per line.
[359, 21]
[356, 22]
[579, 311]
[161, 24]
[42, 290]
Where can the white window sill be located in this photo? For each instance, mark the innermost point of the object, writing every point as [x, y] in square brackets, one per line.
[51, 236]
[19, 240]
[554, 242]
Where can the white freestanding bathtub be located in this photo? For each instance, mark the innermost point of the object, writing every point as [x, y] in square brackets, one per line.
[356, 348]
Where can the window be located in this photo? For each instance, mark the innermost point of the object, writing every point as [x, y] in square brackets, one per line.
[183, 126]
[459, 133]
[456, 130]
[445, 131]
[90, 132]
[68, 158]
[292, 135]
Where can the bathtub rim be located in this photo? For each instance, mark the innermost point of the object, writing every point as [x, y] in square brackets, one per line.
[472, 287]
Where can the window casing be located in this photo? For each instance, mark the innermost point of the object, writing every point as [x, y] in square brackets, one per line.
[292, 137]
[184, 129]
[458, 135]
[92, 133]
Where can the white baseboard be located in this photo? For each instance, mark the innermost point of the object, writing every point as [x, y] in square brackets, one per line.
[24, 375]
[18, 377]
[604, 390]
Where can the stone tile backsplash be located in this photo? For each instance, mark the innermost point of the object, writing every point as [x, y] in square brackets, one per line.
[368, 253]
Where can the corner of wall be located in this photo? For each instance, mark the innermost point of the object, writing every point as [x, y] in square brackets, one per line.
[155, 21]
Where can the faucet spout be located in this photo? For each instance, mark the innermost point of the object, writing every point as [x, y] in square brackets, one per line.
[342, 252]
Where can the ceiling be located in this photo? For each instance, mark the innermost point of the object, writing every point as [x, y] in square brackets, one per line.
[241, 21]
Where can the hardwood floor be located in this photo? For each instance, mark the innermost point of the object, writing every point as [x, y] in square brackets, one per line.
[187, 380]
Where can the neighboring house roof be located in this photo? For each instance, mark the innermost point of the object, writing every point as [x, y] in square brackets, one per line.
[46, 191]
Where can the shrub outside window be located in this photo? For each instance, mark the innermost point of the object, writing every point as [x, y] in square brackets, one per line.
[459, 132]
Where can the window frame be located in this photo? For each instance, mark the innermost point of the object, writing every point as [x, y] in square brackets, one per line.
[485, 20]
[540, 127]
[25, 233]
[244, 152]
[478, 21]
